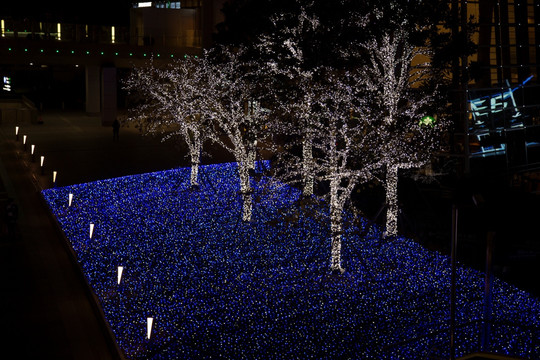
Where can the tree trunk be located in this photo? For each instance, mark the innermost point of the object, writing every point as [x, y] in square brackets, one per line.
[307, 154]
[252, 155]
[195, 148]
[335, 226]
[245, 190]
[391, 200]
[194, 173]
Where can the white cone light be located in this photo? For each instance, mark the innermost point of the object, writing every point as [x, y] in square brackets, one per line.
[70, 199]
[91, 230]
[120, 270]
[149, 327]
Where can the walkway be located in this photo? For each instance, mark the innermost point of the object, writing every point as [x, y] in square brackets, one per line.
[47, 310]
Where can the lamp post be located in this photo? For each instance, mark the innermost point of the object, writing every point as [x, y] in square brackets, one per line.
[32, 150]
[16, 133]
[70, 199]
[54, 173]
[453, 282]
[42, 167]
[24, 142]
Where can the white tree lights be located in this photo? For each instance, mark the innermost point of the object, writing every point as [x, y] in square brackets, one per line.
[394, 89]
[236, 118]
[339, 135]
[294, 95]
[343, 127]
[174, 103]
[200, 99]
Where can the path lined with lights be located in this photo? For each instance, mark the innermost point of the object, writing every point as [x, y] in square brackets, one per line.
[198, 283]
[48, 311]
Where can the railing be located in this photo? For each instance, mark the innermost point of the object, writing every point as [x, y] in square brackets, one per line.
[63, 32]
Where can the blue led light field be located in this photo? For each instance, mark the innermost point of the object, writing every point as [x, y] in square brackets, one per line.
[218, 288]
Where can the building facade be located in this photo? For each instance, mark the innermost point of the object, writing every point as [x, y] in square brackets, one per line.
[501, 119]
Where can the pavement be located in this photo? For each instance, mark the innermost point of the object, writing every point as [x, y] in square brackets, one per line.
[48, 311]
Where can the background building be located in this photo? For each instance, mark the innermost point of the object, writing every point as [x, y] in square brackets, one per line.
[501, 115]
[55, 63]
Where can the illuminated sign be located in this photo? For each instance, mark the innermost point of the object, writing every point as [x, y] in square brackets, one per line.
[6, 83]
[492, 115]
[488, 110]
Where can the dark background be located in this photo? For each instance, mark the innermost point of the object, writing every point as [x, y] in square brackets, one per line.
[113, 12]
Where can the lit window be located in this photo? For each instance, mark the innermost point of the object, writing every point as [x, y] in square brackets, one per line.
[144, 4]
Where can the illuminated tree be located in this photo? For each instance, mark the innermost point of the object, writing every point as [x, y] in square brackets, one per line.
[170, 102]
[209, 97]
[292, 76]
[233, 106]
[400, 91]
[344, 147]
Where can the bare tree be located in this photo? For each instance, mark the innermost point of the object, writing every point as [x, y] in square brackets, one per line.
[395, 79]
[344, 147]
[171, 100]
[292, 73]
[234, 106]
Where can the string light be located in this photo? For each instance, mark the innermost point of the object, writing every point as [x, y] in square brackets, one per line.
[199, 94]
[239, 289]
[399, 91]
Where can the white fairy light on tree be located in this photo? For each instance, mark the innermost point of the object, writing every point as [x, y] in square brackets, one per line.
[339, 138]
[394, 87]
[319, 118]
[344, 144]
[174, 100]
[235, 114]
[288, 61]
[205, 99]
